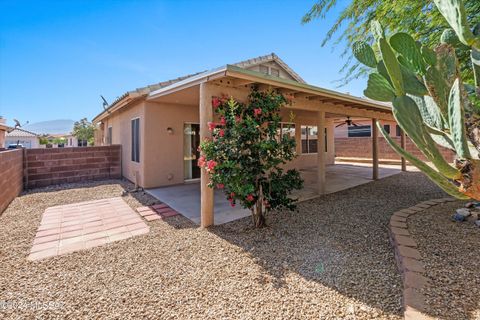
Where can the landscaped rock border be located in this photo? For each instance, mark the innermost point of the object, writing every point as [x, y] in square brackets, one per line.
[409, 260]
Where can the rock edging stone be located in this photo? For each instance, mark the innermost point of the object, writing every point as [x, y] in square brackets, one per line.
[409, 259]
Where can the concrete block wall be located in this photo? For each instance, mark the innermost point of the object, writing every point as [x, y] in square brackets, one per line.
[361, 147]
[45, 167]
[11, 176]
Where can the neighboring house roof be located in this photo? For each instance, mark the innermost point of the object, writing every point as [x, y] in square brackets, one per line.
[19, 133]
[145, 91]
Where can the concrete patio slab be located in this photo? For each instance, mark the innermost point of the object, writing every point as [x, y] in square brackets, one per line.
[185, 198]
[84, 225]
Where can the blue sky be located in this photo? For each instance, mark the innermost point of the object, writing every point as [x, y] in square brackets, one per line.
[57, 57]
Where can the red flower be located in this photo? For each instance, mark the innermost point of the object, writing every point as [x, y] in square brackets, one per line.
[232, 194]
[220, 186]
[257, 111]
[211, 125]
[223, 121]
[216, 102]
[211, 165]
[232, 204]
[201, 161]
[238, 119]
[221, 132]
[249, 198]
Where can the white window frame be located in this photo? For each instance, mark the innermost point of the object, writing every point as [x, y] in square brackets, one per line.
[109, 135]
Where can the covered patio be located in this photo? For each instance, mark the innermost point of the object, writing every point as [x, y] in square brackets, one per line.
[186, 198]
[312, 106]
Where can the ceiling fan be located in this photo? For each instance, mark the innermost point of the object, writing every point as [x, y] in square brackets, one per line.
[347, 122]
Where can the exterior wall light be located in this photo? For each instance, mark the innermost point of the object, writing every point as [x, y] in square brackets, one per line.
[170, 130]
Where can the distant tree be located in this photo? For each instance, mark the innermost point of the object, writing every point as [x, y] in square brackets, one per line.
[420, 19]
[84, 130]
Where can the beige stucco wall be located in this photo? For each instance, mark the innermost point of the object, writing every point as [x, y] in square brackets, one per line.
[120, 122]
[164, 163]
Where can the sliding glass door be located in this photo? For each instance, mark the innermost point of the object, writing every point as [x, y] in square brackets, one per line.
[191, 141]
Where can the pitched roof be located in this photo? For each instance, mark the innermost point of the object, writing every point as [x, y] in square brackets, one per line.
[267, 58]
[144, 91]
[17, 132]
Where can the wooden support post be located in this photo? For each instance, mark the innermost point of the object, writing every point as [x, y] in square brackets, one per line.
[403, 144]
[206, 193]
[321, 151]
[374, 149]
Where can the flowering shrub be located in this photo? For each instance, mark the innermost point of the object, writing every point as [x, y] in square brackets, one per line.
[245, 155]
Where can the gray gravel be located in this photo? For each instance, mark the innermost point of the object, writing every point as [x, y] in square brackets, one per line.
[330, 260]
[451, 254]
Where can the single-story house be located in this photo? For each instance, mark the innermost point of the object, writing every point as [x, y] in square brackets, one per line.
[160, 126]
[19, 136]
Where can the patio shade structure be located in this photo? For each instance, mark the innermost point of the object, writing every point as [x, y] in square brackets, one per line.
[237, 82]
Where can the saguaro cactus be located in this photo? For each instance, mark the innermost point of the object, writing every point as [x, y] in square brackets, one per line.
[429, 99]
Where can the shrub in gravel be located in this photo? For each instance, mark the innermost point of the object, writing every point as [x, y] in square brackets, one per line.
[245, 156]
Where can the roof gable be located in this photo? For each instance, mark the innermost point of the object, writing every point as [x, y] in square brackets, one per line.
[270, 61]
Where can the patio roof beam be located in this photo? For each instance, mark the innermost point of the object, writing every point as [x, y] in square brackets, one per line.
[310, 105]
[242, 82]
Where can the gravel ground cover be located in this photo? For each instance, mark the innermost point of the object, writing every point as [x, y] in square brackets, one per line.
[451, 253]
[330, 260]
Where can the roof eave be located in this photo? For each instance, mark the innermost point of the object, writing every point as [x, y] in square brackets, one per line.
[129, 97]
[189, 82]
[238, 72]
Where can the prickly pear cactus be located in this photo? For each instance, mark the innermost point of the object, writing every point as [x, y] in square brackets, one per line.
[428, 97]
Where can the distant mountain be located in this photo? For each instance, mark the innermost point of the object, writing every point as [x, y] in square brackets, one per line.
[51, 127]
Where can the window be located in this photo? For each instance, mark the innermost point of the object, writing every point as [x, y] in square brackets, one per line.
[386, 127]
[136, 140]
[264, 69]
[286, 129]
[359, 131]
[275, 72]
[109, 136]
[309, 139]
[399, 131]
[82, 143]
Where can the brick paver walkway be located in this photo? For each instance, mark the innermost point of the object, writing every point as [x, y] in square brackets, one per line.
[156, 212]
[84, 225]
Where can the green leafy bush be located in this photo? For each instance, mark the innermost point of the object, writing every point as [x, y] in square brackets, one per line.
[245, 156]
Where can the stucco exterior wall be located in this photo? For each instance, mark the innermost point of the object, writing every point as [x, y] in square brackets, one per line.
[120, 122]
[164, 163]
